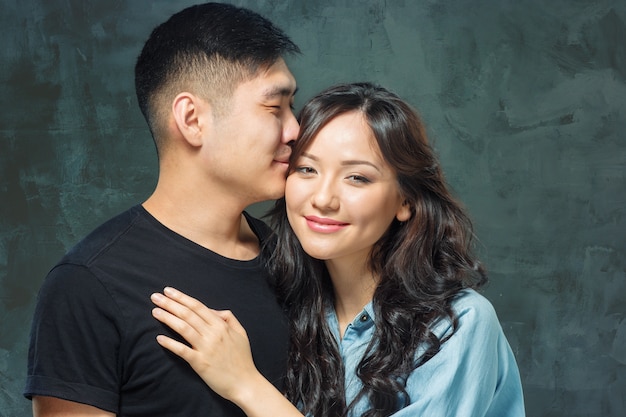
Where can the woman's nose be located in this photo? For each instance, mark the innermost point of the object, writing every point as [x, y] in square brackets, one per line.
[326, 197]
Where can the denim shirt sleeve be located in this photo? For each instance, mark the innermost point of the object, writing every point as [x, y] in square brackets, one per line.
[474, 374]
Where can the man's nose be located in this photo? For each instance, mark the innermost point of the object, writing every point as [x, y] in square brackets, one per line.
[291, 128]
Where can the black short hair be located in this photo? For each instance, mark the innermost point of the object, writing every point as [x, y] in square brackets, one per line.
[209, 48]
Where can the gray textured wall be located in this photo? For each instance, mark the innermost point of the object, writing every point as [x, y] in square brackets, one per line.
[525, 101]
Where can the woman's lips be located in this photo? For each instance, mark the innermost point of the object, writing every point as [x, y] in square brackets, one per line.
[324, 225]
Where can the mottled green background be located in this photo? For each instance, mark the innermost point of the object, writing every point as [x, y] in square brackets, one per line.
[525, 101]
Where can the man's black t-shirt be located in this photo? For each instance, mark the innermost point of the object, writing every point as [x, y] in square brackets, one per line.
[93, 335]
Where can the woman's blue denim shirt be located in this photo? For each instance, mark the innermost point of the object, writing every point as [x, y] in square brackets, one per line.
[474, 374]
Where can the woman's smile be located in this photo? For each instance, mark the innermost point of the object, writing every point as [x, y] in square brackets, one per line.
[324, 225]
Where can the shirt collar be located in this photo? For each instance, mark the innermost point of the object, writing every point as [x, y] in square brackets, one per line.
[363, 321]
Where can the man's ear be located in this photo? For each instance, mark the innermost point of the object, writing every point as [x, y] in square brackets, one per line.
[190, 115]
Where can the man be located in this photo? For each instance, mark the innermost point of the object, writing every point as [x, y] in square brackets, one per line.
[217, 96]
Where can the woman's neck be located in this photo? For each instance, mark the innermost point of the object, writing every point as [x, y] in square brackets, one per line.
[353, 286]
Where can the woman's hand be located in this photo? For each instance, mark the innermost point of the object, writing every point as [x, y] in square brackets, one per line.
[219, 353]
[220, 349]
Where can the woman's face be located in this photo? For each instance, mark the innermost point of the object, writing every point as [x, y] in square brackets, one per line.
[342, 195]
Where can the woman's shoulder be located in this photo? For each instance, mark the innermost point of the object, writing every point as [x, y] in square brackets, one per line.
[469, 301]
[475, 314]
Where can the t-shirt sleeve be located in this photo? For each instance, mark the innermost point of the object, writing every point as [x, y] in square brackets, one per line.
[473, 375]
[75, 338]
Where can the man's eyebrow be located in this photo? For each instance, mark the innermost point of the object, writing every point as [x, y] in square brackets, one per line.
[282, 91]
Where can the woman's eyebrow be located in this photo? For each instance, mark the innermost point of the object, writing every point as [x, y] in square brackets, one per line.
[348, 162]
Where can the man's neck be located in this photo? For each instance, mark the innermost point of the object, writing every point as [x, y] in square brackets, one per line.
[214, 223]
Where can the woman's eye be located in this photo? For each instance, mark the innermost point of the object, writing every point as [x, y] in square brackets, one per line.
[359, 179]
[305, 170]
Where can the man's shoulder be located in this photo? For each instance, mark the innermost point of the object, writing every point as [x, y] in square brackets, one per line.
[106, 234]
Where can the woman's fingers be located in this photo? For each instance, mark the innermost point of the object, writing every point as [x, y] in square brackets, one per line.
[176, 347]
[184, 306]
[220, 350]
[183, 299]
[184, 320]
[231, 320]
[191, 319]
[180, 326]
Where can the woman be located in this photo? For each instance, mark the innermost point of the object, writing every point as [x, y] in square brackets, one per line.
[375, 269]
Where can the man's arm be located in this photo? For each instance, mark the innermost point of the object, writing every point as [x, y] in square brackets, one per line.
[56, 407]
[73, 345]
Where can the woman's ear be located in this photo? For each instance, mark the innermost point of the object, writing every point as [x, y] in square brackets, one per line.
[404, 211]
[190, 116]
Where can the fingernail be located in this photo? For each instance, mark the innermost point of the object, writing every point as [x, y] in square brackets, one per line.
[156, 297]
[169, 291]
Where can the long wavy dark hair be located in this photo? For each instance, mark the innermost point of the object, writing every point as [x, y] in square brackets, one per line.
[421, 265]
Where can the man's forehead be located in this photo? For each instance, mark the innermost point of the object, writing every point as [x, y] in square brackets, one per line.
[280, 80]
[271, 82]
